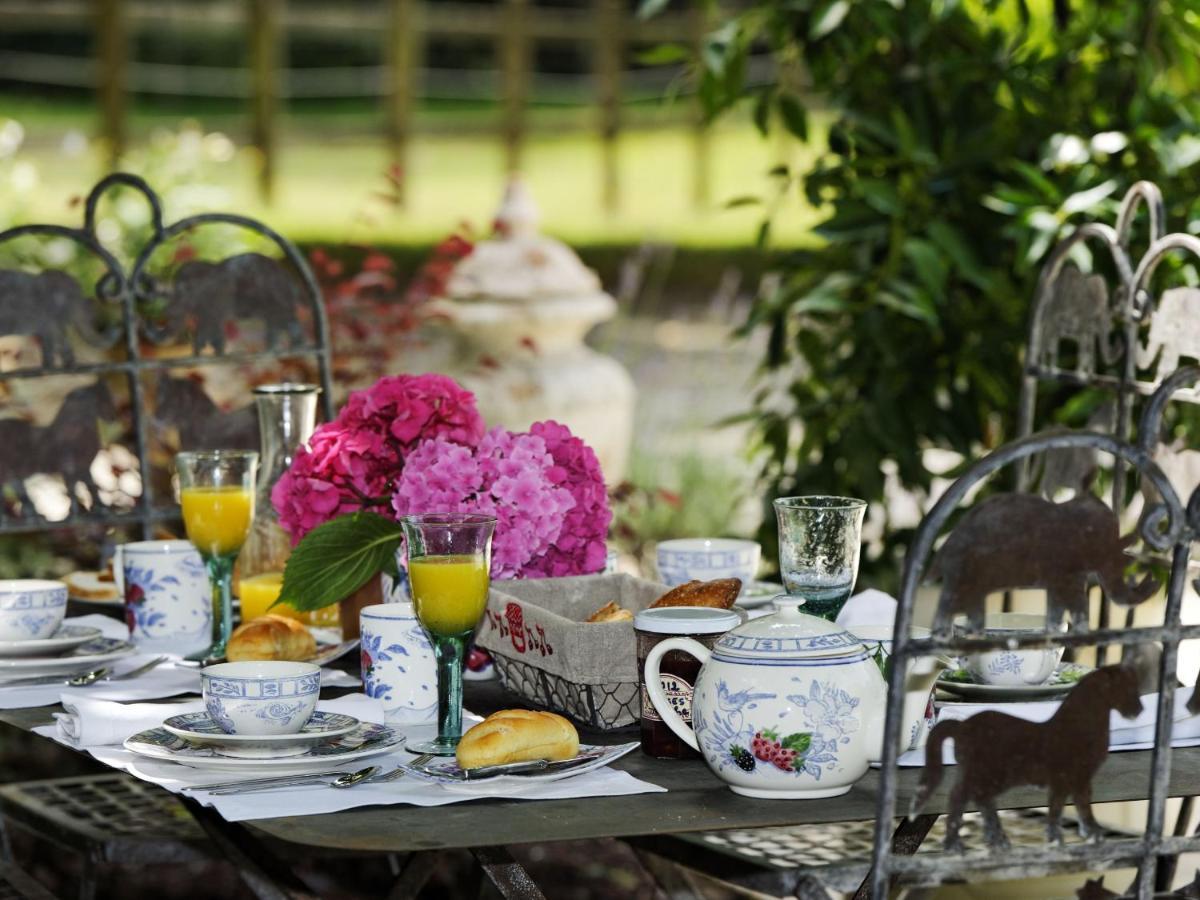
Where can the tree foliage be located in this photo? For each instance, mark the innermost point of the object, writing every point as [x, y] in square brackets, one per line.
[964, 138]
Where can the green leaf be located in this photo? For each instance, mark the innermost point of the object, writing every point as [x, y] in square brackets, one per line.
[1085, 200]
[747, 200]
[800, 742]
[335, 559]
[663, 54]
[827, 18]
[795, 119]
[762, 111]
[931, 269]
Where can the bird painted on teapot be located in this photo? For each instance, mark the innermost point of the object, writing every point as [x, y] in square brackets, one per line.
[788, 706]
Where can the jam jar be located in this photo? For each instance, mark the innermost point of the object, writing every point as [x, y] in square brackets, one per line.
[678, 670]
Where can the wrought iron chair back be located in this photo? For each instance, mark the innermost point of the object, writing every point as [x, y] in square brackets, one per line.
[1169, 526]
[202, 296]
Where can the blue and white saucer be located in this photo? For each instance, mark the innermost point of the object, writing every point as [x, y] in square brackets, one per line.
[89, 655]
[68, 637]
[365, 740]
[200, 730]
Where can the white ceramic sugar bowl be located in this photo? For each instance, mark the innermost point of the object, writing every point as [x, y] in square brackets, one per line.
[788, 706]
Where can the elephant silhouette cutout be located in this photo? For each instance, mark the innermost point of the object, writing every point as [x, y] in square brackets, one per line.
[183, 404]
[209, 295]
[1075, 468]
[1174, 332]
[1077, 310]
[994, 752]
[1012, 541]
[42, 305]
[67, 446]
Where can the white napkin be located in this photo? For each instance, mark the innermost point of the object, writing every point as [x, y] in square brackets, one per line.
[314, 799]
[89, 722]
[1124, 734]
[869, 607]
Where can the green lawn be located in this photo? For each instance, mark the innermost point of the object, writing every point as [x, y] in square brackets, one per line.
[331, 169]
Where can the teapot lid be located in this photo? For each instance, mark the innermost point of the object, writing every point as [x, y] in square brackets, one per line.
[787, 635]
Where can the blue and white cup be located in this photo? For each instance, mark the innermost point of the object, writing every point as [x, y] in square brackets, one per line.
[168, 598]
[398, 665]
[31, 609]
[1008, 667]
[261, 698]
[707, 559]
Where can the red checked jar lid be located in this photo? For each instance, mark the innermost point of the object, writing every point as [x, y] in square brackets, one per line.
[678, 670]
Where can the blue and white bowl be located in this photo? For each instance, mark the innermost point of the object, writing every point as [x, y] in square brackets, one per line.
[707, 559]
[1007, 667]
[261, 698]
[31, 609]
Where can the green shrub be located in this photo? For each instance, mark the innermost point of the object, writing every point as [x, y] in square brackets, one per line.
[965, 138]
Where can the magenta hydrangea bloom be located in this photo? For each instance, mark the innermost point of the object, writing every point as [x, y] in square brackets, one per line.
[580, 548]
[353, 462]
[514, 477]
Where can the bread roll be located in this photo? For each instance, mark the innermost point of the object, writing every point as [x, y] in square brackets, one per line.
[98, 586]
[719, 594]
[610, 612]
[271, 637]
[517, 735]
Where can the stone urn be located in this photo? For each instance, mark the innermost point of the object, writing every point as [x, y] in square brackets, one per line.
[520, 305]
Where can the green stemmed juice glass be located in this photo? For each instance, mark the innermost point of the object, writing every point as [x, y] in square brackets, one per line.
[216, 492]
[449, 556]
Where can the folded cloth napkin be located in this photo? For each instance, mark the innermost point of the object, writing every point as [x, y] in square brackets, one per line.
[1124, 734]
[314, 799]
[89, 722]
[869, 607]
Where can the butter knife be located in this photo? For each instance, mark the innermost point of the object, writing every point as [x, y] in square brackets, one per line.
[523, 768]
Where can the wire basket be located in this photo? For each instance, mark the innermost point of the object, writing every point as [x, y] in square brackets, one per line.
[604, 707]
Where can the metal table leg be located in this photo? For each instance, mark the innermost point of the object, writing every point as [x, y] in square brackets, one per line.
[906, 840]
[508, 875]
[413, 875]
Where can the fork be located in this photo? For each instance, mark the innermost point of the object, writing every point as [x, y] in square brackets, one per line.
[395, 775]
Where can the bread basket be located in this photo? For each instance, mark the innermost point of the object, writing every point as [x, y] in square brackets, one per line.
[547, 654]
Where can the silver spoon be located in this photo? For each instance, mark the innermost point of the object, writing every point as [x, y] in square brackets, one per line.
[105, 674]
[345, 781]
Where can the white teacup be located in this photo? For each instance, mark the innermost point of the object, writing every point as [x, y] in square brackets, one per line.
[1009, 668]
[261, 698]
[398, 666]
[919, 680]
[31, 609]
[706, 559]
[168, 599]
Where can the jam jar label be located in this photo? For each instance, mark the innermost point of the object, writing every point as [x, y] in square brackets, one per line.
[679, 693]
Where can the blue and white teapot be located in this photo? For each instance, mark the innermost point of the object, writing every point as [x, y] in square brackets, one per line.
[787, 706]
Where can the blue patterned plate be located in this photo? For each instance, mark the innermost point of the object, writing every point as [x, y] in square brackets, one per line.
[450, 776]
[365, 740]
[199, 730]
[86, 656]
[68, 637]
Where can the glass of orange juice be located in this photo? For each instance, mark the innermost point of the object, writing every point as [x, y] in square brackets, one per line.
[216, 492]
[449, 555]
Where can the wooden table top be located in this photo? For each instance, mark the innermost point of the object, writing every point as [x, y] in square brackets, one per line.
[695, 801]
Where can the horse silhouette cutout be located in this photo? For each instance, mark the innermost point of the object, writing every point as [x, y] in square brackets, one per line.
[207, 296]
[1011, 541]
[1078, 311]
[67, 446]
[995, 752]
[42, 305]
[183, 404]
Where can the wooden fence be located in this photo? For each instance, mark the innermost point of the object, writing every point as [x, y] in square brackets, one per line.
[404, 27]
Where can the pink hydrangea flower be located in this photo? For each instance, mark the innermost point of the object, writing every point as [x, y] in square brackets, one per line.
[353, 462]
[515, 478]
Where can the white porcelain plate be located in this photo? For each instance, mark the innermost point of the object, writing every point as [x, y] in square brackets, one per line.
[447, 773]
[1064, 678]
[758, 593]
[327, 653]
[66, 638]
[199, 729]
[86, 656]
[363, 741]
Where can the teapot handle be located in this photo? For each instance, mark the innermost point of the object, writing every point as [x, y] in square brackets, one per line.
[658, 697]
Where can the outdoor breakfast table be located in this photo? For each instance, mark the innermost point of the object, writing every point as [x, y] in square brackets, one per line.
[695, 801]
